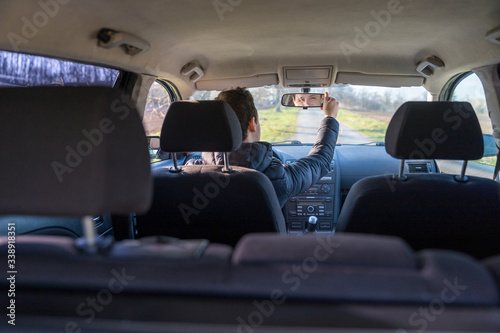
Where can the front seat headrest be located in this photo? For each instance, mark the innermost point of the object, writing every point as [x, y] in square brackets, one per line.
[72, 151]
[200, 126]
[435, 130]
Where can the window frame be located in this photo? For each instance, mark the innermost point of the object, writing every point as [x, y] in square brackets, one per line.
[446, 94]
[449, 88]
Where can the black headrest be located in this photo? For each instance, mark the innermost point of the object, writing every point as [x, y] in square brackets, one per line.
[71, 151]
[434, 130]
[200, 126]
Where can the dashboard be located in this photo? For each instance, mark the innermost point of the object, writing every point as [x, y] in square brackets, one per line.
[318, 208]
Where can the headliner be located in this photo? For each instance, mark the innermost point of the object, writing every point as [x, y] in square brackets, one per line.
[261, 36]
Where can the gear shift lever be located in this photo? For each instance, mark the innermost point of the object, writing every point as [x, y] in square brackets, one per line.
[311, 223]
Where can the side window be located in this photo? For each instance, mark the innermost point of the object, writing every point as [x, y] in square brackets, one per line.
[157, 104]
[26, 70]
[470, 89]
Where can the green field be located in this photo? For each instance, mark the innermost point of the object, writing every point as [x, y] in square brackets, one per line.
[375, 129]
[490, 161]
[372, 128]
[277, 126]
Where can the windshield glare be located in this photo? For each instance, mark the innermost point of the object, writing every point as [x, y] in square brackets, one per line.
[365, 112]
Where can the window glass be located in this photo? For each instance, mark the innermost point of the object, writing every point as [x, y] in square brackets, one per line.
[471, 90]
[24, 70]
[157, 104]
[364, 115]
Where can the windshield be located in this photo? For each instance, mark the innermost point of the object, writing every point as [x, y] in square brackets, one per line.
[365, 112]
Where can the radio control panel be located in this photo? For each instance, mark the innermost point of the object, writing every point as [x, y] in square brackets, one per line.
[318, 201]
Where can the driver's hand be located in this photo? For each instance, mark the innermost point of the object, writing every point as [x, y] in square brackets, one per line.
[330, 106]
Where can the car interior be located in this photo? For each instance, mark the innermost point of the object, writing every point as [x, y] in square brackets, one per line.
[112, 221]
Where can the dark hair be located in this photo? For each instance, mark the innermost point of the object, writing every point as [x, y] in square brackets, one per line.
[241, 100]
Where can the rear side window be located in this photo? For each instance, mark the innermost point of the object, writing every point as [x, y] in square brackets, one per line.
[470, 89]
[24, 70]
[160, 96]
[157, 104]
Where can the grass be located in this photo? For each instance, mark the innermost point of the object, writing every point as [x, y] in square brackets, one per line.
[375, 129]
[277, 126]
[372, 128]
[490, 161]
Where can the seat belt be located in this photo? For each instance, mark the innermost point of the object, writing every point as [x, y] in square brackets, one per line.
[497, 166]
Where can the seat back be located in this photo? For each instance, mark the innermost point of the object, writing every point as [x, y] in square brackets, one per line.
[202, 201]
[66, 159]
[430, 210]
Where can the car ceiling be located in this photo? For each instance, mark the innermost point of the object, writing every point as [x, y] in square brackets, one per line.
[260, 37]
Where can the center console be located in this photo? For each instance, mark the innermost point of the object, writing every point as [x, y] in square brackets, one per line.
[320, 201]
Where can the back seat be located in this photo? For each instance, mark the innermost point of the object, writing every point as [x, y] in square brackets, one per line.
[492, 264]
[352, 267]
[310, 281]
[346, 267]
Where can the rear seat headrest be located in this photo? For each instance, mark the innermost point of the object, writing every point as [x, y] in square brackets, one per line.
[72, 151]
[435, 130]
[200, 126]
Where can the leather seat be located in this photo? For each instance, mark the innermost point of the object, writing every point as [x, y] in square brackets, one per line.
[430, 210]
[208, 201]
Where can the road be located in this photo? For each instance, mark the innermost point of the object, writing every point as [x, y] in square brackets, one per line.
[307, 126]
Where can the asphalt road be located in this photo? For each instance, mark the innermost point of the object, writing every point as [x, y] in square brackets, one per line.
[307, 126]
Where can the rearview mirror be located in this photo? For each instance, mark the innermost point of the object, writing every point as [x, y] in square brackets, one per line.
[153, 142]
[302, 100]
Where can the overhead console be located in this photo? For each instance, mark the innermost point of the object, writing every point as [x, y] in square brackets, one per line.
[307, 76]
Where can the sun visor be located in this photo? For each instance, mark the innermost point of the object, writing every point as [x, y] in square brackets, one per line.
[247, 82]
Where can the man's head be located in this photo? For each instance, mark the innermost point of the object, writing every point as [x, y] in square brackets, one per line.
[241, 101]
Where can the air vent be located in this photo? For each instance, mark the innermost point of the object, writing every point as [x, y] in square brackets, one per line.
[419, 167]
[98, 221]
